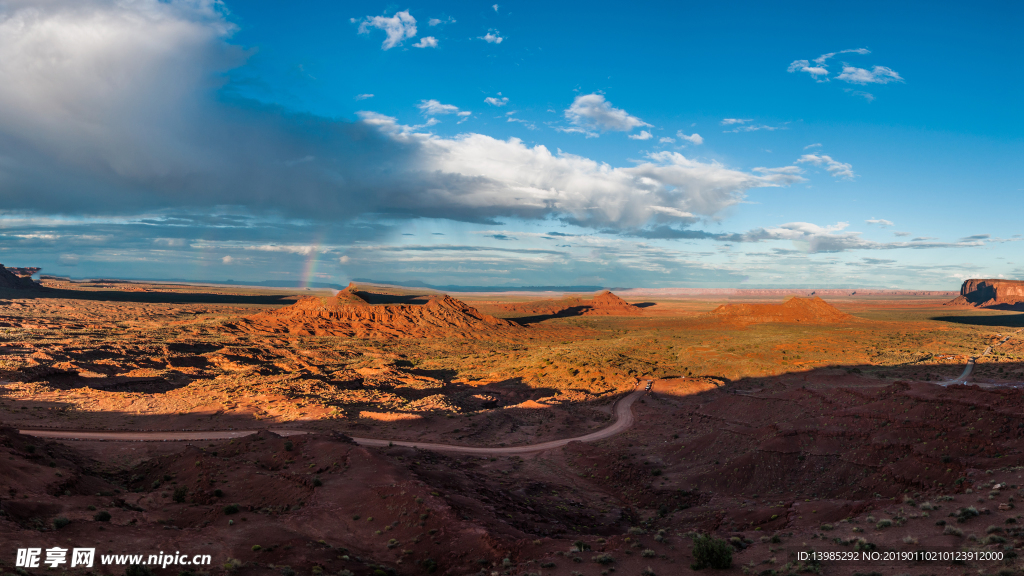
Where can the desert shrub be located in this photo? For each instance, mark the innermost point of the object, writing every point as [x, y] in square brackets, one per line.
[429, 565]
[579, 546]
[993, 539]
[647, 572]
[288, 445]
[317, 482]
[827, 527]
[60, 522]
[155, 484]
[883, 523]
[218, 493]
[350, 573]
[994, 529]
[547, 565]
[648, 553]
[909, 540]
[603, 559]
[871, 519]
[928, 506]
[137, 570]
[711, 552]
[952, 531]
[862, 545]
[179, 494]
[256, 547]
[637, 530]
[102, 516]
[287, 571]
[392, 543]
[231, 509]
[964, 514]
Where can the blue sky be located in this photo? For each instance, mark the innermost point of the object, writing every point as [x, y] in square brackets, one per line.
[712, 144]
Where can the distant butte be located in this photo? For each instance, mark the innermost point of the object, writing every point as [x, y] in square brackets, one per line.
[990, 293]
[358, 314]
[603, 304]
[795, 310]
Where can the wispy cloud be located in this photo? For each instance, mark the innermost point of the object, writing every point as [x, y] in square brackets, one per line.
[731, 121]
[694, 138]
[643, 135]
[834, 167]
[363, 96]
[592, 111]
[880, 221]
[877, 75]
[435, 108]
[426, 42]
[438, 21]
[396, 28]
[496, 101]
[809, 146]
[666, 140]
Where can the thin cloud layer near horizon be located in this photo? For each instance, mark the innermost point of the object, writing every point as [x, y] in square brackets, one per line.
[512, 145]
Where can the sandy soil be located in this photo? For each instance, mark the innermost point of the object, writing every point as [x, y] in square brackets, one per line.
[776, 436]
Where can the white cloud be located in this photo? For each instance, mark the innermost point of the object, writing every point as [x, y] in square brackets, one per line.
[835, 168]
[594, 112]
[496, 101]
[731, 121]
[397, 28]
[819, 71]
[877, 75]
[227, 259]
[438, 21]
[426, 42]
[805, 66]
[666, 140]
[880, 221]
[435, 108]
[495, 7]
[694, 138]
[809, 146]
[752, 127]
[492, 37]
[643, 135]
[343, 260]
[363, 96]
[481, 174]
[820, 60]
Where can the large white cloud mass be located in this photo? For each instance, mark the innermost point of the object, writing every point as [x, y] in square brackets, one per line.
[114, 106]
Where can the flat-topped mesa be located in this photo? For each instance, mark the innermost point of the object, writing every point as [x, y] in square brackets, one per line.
[795, 310]
[989, 292]
[10, 278]
[351, 313]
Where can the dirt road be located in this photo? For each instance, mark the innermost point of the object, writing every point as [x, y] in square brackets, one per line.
[623, 420]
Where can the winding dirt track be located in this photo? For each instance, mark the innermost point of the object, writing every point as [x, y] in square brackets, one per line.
[623, 420]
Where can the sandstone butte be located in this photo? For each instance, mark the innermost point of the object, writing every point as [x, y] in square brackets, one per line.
[603, 304]
[989, 292]
[795, 310]
[9, 279]
[349, 313]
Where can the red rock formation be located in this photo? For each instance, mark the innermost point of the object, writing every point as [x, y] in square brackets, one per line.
[795, 310]
[349, 314]
[989, 292]
[9, 279]
[603, 304]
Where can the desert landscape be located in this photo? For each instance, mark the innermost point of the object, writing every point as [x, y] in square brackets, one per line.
[384, 430]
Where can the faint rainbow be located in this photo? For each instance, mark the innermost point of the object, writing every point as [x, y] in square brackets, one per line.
[312, 260]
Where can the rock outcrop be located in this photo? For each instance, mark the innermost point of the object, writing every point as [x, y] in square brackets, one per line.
[989, 292]
[795, 310]
[349, 313]
[10, 279]
[604, 303]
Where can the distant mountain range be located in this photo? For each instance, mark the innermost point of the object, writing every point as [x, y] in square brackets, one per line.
[503, 288]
